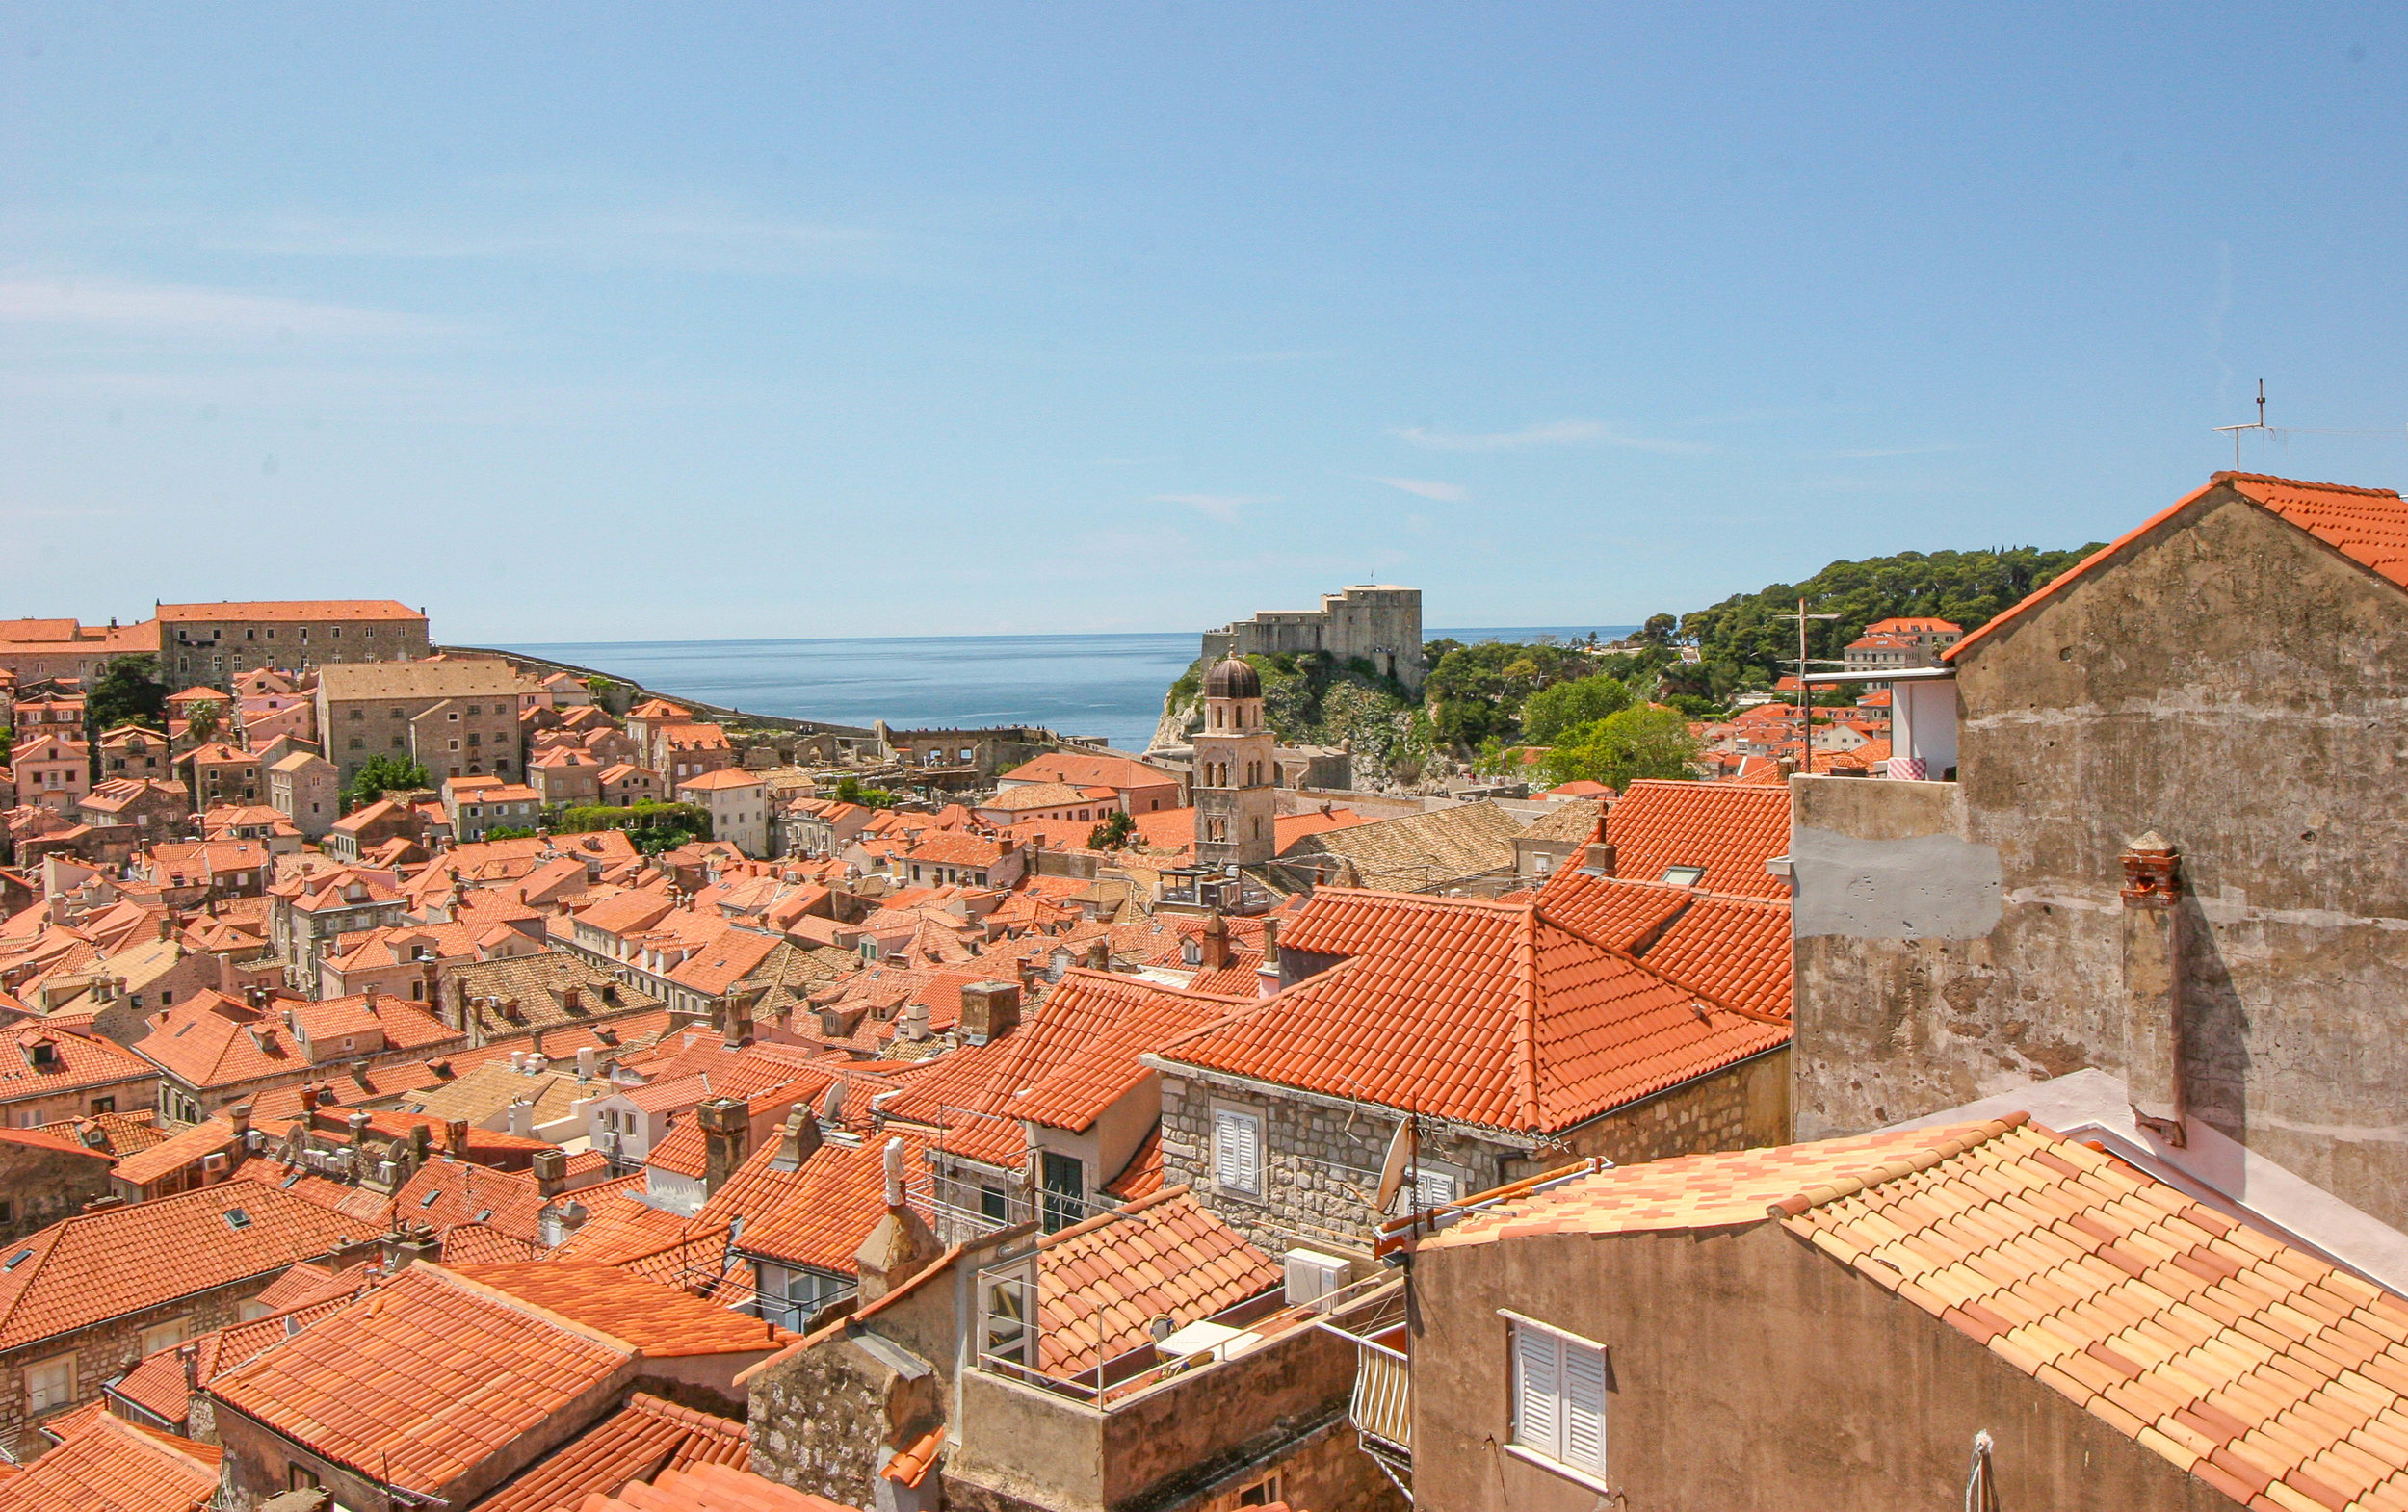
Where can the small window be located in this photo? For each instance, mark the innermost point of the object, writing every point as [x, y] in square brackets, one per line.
[1683, 875]
[50, 1384]
[17, 1259]
[1560, 1397]
[237, 1220]
[1262, 1494]
[1238, 1151]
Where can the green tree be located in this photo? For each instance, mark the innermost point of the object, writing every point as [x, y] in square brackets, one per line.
[128, 692]
[1476, 691]
[509, 832]
[849, 790]
[1642, 741]
[385, 775]
[1111, 834]
[201, 722]
[1583, 700]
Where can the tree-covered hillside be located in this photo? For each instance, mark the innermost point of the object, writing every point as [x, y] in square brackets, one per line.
[1742, 644]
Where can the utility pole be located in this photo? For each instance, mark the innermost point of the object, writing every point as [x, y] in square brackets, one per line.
[1805, 689]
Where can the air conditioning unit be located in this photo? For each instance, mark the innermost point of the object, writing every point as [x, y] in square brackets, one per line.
[1312, 1275]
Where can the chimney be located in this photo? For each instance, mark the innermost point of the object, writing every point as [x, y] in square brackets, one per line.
[239, 1115]
[188, 1355]
[2153, 998]
[357, 1124]
[1597, 856]
[989, 1011]
[739, 1018]
[456, 1138]
[522, 1119]
[585, 1057]
[1099, 955]
[551, 1173]
[421, 1141]
[406, 1244]
[167, 927]
[796, 1142]
[902, 1244]
[726, 1130]
[309, 1099]
[1215, 942]
[368, 998]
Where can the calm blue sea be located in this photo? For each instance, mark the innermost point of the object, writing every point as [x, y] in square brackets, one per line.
[1107, 686]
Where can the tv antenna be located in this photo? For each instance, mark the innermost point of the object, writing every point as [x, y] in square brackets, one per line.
[2257, 424]
[1805, 687]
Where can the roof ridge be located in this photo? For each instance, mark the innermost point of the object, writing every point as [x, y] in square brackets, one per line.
[1526, 1018]
[1922, 1159]
[2302, 482]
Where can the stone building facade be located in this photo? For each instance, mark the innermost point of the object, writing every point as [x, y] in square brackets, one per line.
[1381, 625]
[212, 643]
[454, 718]
[1236, 777]
[1323, 1155]
[306, 788]
[44, 1177]
[2232, 676]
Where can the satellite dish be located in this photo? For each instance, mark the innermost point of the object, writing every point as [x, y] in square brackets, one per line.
[1401, 1152]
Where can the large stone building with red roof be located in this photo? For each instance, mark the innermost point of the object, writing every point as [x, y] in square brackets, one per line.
[212, 643]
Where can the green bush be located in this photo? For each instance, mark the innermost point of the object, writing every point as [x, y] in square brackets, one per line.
[1645, 741]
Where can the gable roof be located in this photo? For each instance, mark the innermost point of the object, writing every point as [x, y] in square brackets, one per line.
[1101, 1282]
[2369, 526]
[108, 1465]
[2244, 1361]
[661, 1322]
[1420, 849]
[1082, 769]
[1489, 1013]
[75, 1273]
[423, 1379]
[295, 609]
[637, 1443]
[1731, 830]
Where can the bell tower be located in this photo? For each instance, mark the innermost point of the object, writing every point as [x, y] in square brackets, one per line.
[1235, 773]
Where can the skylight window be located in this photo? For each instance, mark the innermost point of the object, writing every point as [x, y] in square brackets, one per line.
[428, 1201]
[18, 1259]
[484, 1214]
[1683, 875]
[237, 1220]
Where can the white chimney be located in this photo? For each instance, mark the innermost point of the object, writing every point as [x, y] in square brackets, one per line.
[523, 1119]
[585, 1062]
[894, 1155]
[518, 1060]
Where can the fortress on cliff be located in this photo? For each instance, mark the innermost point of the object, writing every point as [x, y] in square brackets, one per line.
[1380, 624]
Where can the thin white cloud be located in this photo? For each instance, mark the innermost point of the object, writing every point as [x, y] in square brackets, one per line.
[1552, 433]
[1866, 453]
[1426, 488]
[169, 309]
[1221, 506]
[702, 241]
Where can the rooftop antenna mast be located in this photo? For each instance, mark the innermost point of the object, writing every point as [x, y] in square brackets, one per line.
[1805, 688]
[2257, 424]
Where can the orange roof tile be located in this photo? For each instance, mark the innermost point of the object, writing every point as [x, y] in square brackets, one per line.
[423, 1379]
[816, 1215]
[2369, 526]
[1142, 1176]
[74, 1274]
[637, 1443]
[82, 1060]
[1731, 830]
[660, 1320]
[445, 1192]
[280, 609]
[1100, 1283]
[2253, 1361]
[108, 1465]
[1488, 1012]
[912, 1461]
[1079, 769]
[709, 1488]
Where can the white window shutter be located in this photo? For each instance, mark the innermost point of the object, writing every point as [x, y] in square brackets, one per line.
[1583, 1409]
[1237, 1154]
[1537, 1421]
[1433, 1188]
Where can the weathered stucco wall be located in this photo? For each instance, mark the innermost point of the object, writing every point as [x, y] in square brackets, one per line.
[1782, 1379]
[1738, 1107]
[2236, 686]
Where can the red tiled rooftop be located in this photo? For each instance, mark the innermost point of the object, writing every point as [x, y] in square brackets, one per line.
[108, 1465]
[637, 1443]
[1731, 830]
[1100, 1283]
[660, 1320]
[709, 1488]
[423, 1379]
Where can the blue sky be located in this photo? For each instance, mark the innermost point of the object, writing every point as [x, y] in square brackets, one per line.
[601, 323]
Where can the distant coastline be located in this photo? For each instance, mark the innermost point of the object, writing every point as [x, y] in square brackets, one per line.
[1106, 686]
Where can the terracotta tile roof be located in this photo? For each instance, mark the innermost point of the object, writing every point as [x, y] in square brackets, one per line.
[477, 1244]
[1574, 819]
[2258, 1368]
[1731, 830]
[56, 1144]
[352, 682]
[912, 1461]
[424, 1379]
[309, 1281]
[2369, 526]
[726, 777]
[156, 1385]
[119, 1135]
[709, 1488]
[111, 1466]
[1077, 770]
[1101, 1282]
[1625, 916]
[1142, 1176]
[1733, 950]
[952, 847]
[211, 1041]
[657, 709]
[637, 1443]
[211, 1136]
[74, 1274]
[82, 1061]
[1486, 1013]
[621, 1229]
[816, 1214]
[660, 1320]
[281, 609]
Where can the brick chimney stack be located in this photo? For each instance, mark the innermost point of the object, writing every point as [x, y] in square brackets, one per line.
[796, 1140]
[727, 1131]
[1597, 856]
[1215, 943]
[551, 1168]
[989, 1011]
[456, 1138]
